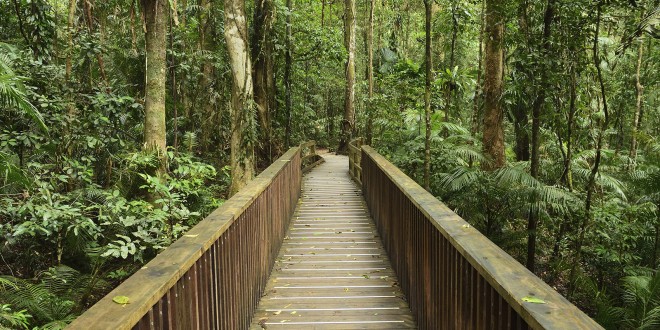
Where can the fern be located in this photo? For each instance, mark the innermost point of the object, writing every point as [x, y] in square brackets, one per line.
[641, 297]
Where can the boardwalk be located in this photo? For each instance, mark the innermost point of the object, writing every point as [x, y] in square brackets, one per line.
[332, 271]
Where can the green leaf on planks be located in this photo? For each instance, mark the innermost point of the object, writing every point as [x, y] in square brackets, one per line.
[122, 300]
[533, 300]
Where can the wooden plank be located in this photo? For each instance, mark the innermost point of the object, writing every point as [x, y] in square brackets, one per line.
[332, 271]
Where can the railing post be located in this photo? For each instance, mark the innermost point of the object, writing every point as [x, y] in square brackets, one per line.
[354, 159]
[452, 275]
[212, 277]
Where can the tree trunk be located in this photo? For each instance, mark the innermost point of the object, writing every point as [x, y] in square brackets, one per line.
[348, 124]
[591, 183]
[638, 109]
[370, 74]
[71, 106]
[449, 86]
[427, 97]
[206, 81]
[567, 175]
[520, 120]
[90, 27]
[532, 221]
[262, 53]
[242, 106]
[288, 66]
[156, 75]
[493, 139]
[478, 88]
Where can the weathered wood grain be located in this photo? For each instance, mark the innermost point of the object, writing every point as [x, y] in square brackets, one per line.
[453, 276]
[213, 276]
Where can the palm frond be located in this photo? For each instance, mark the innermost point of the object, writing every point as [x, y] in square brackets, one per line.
[460, 178]
[13, 92]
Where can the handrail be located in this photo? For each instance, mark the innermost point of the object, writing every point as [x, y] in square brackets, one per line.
[310, 158]
[453, 276]
[354, 159]
[213, 276]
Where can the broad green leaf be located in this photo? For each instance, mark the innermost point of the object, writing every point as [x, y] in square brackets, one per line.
[122, 300]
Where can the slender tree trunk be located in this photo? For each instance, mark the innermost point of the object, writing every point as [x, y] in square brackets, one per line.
[155, 12]
[493, 138]
[348, 124]
[521, 132]
[449, 87]
[206, 81]
[132, 24]
[71, 106]
[242, 106]
[21, 27]
[591, 183]
[70, 26]
[532, 221]
[90, 26]
[173, 89]
[656, 245]
[638, 109]
[323, 13]
[567, 176]
[427, 96]
[520, 110]
[370, 73]
[262, 53]
[288, 66]
[476, 116]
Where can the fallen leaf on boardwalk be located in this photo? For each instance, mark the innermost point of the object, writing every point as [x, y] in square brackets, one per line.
[365, 276]
[193, 236]
[294, 312]
[533, 300]
[122, 300]
[277, 313]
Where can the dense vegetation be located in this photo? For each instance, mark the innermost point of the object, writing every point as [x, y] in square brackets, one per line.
[123, 123]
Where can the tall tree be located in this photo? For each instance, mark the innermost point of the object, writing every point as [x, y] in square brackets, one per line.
[476, 105]
[156, 76]
[348, 123]
[537, 106]
[206, 79]
[493, 138]
[370, 72]
[242, 105]
[263, 70]
[591, 182]
[288, 66]
[428, 4]
[639, 89]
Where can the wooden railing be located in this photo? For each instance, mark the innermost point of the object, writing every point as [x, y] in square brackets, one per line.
[354, 159]
[309, 157]
[452, 275]
[212, 277]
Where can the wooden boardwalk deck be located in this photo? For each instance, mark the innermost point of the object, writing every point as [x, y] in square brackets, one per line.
[332, 271]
